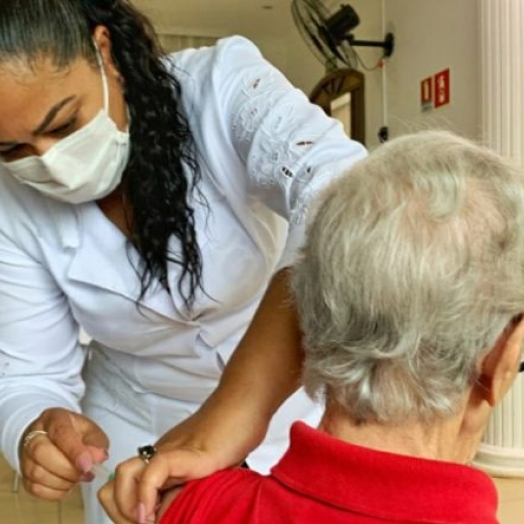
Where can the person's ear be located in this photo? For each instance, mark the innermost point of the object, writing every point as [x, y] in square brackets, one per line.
[102, 38]
[501, 364]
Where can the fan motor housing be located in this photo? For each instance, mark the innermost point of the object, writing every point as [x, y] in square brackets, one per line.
[342, 23]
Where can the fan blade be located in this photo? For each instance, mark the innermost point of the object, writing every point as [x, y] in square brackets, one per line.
[319, 21]
[326, 37]
[311, 18]
[309, 22]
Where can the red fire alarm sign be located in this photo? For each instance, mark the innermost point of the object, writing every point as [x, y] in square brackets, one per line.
[442, 91]
[426, 94]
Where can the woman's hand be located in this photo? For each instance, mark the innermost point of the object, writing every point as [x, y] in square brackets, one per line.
[61, 451]
[196, 448]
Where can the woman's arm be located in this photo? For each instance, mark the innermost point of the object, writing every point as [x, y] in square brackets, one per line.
[40, 357]
[262, 373]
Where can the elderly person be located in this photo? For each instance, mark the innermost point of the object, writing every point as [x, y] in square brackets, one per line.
[410, 293]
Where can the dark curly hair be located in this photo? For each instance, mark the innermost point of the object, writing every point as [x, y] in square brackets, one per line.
[162, 168]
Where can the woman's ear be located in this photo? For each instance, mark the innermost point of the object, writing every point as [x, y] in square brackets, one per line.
[102, 39]
[500, 366]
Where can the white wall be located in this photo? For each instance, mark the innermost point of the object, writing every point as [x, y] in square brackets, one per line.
[432, 36]
[302, 68]
[287, 53]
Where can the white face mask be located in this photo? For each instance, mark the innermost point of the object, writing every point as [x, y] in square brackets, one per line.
[84, 166]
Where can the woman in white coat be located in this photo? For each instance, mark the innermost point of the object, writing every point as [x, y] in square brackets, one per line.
[156, 202]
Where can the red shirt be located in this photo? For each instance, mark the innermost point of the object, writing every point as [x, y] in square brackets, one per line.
[323, 480]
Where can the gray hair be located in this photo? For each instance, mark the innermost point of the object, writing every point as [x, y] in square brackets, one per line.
[413, 266]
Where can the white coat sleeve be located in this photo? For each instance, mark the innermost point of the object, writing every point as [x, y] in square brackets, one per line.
[291, 149]
[40, 358]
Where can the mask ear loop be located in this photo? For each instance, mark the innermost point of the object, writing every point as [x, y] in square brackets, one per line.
[104, 77]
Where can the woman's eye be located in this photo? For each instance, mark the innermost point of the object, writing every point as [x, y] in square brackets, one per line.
[7, 154]
[15, 152]
[64, 128]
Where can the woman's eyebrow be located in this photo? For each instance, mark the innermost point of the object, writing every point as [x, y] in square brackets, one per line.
[46, 121]
[52, 114]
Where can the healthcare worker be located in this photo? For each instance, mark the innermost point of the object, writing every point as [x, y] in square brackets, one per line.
[156, 203]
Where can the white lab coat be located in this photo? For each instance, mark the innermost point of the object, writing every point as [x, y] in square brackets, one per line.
[263, 151]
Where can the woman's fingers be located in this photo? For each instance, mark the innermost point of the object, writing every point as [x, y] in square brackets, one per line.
[169, 469]
[59, 450]
[128, 476]
[165, 471]
[107, 499]
[81, 440]
[41, 455]
[137, 488]
[44, 492]
[47, 473]
[37, 475]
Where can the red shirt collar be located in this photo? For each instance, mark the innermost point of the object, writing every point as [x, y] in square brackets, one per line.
[388, 486]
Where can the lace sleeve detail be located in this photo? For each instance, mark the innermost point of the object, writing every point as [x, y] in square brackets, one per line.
[289, 146]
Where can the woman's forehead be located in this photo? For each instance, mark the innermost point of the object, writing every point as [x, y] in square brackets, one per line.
[27, 93]
[38, 70]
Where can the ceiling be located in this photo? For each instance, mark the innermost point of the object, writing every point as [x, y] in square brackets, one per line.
[220, 17]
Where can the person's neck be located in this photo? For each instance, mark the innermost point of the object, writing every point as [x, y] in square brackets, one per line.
[444, 440]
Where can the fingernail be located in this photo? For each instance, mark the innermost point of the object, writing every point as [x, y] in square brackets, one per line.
[84, 462]
[141, 513]
[88, 477]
